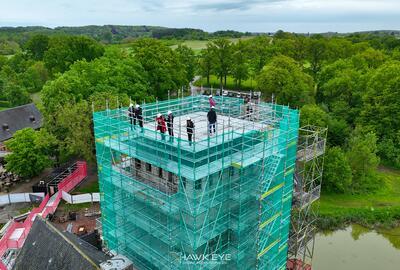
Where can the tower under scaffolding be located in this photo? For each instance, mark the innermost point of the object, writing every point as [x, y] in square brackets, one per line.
[307, 190]
[219, 202]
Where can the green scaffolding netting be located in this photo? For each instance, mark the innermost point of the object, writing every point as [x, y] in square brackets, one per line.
[168, 203]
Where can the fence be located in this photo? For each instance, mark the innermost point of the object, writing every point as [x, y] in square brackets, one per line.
[21, 197]
[81, 198]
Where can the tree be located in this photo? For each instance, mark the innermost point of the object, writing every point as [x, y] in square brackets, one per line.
[285, 79]
[240, 67]
[68, 99]
[257, 51]
[114, 100]
[3, 61]
[221, 51]
[35, 77]
[73, 127]
[338, 129]
[311, 114]
[363, 160]
[341, 86]
[337, 171]
[389, 150]
[316, 54]
[115, 72]
[15, 94]
[37, 45]
[206, 63]
[9, 47]
[162, 64]
[188, 59]
[369, 59]
[65, 50]
[28, 157]
[380, 112]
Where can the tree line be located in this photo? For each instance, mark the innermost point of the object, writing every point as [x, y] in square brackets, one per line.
[12, 38]
[350, 84]
[82, 73]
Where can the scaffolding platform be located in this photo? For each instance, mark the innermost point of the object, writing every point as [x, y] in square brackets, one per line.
[165, 199]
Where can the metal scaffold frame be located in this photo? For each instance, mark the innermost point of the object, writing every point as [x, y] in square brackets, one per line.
[306, 193]
[165, 200]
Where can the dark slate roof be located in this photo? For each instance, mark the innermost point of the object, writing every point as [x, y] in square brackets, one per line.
[48, 248]
[19, 118]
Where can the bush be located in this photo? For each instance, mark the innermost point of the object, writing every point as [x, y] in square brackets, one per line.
[337, 172]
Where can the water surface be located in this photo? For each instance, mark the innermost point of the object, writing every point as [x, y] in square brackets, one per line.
[357, 248]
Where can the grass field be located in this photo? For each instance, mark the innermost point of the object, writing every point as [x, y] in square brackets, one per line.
[230, 83]
[91, 187]
[379, 209]
[196, 45]
[388, 196]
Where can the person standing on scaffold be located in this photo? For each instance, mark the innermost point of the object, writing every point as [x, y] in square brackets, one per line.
[212, 120]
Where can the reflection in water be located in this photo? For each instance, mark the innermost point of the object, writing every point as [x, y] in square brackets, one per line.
[393, 236]
[357, 248]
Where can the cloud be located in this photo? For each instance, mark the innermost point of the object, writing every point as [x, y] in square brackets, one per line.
[232, 5]
[210, 15]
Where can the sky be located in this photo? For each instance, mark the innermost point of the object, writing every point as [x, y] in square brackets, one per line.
[210, 15]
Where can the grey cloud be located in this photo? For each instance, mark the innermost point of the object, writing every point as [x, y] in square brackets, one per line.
[152, 5]
[251, 15]
[228, 6]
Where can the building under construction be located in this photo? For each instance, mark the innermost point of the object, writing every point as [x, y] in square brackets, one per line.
[219, 202]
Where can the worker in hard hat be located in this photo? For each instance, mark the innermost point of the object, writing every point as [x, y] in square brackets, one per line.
[160, 125]
[249, 110]
[190, 129]
[138, 115]
[211, 101]
[170, 123]
[131, 114]
[212, 120]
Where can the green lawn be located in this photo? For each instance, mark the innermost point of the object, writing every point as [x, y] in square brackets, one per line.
[388, 196]
[198, 45]
[379, 209]
[248, 84]
[91, 187]
[67, 207]
[27, 209]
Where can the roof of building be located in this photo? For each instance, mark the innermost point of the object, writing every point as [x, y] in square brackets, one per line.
[14, 119]
[48, 248]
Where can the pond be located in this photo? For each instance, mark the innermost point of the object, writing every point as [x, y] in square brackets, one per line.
[357, 248]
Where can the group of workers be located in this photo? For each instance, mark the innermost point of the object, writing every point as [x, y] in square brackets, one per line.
[167, 123]
[135, 115]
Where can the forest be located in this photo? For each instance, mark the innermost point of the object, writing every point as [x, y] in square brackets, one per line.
[350, 84]
[11, 38]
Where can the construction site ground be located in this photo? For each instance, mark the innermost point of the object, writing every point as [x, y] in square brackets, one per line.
[86, 215]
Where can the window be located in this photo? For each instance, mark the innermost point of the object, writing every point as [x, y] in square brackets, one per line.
[197, 184]
[210, 180]
[160, 174]
[138, 163]
[148, 167]
[170, 177]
